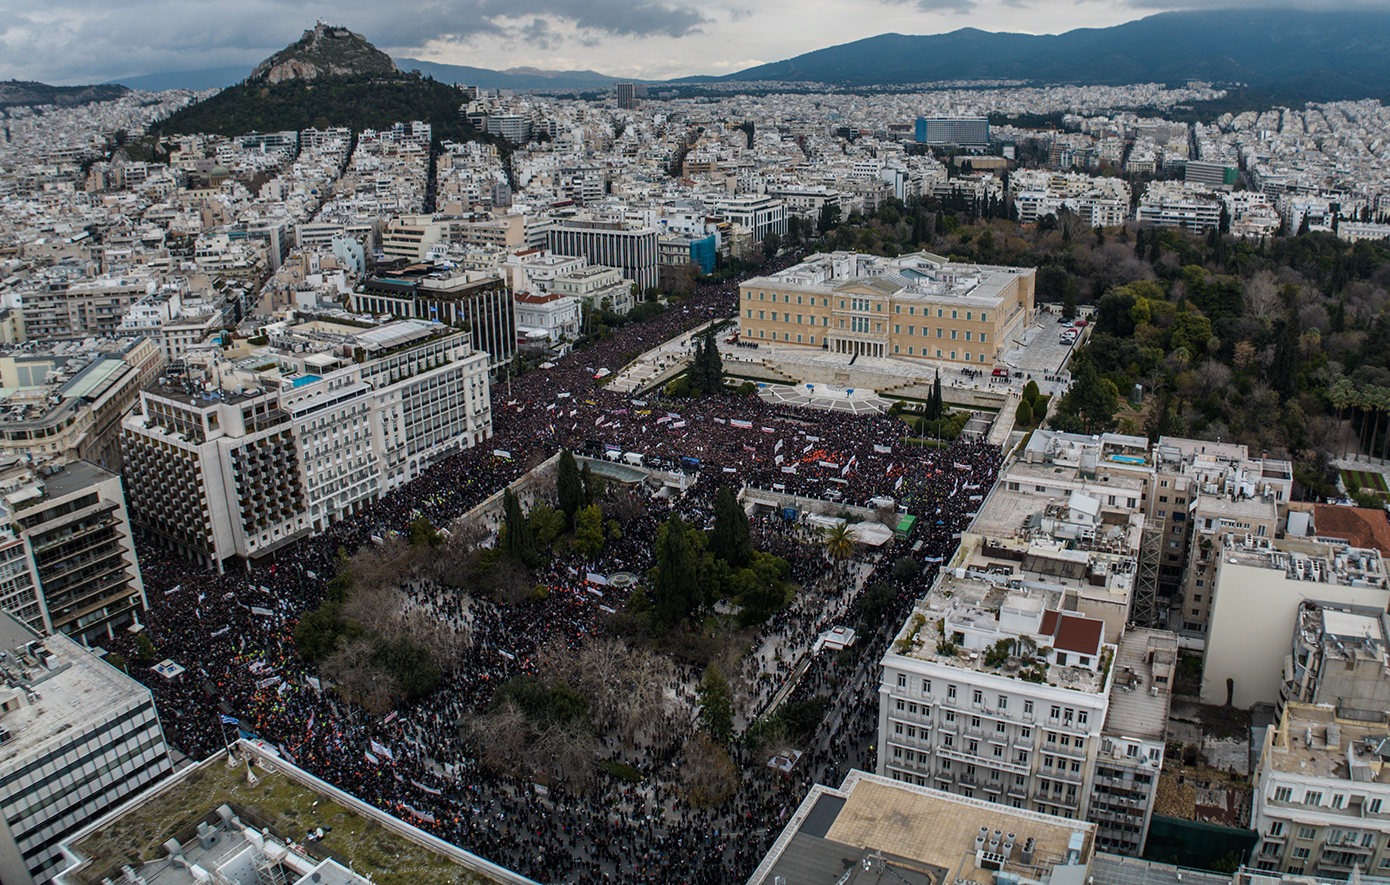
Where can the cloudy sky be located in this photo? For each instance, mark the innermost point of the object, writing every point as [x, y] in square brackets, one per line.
[85, 41]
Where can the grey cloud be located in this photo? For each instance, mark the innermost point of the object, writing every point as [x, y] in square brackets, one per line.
[959, 7]
[1310, 5]
[539, 33]
[98, 40]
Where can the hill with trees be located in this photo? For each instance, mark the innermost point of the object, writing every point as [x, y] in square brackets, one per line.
[357, 101]
[25, 93]
[329, 77]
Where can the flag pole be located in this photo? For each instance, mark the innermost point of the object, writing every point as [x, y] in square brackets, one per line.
[226, 741]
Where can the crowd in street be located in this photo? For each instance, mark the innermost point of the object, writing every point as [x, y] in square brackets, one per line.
[233, 631]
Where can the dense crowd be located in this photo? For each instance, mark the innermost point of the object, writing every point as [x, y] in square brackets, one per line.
[233, 631]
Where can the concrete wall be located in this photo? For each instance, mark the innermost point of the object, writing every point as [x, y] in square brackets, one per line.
[1362, 693]
[1253, 618]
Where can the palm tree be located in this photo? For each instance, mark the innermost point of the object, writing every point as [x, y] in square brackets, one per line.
[1381, 396]
[840, 541]
[1366, 402]
[1342, 394]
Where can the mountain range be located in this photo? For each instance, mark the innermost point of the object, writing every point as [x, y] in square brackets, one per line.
[1325, 54]
[23, 93]
[1314, 55]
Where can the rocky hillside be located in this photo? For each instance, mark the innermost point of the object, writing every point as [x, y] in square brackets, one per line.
[325, 51]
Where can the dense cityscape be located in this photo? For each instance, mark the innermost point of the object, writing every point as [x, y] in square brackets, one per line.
[773, 483]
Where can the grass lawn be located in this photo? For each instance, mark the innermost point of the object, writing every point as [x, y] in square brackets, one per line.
[286, 806]
[1365, 479]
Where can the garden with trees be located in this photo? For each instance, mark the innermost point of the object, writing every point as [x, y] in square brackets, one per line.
[1280, 343]
[699, 606]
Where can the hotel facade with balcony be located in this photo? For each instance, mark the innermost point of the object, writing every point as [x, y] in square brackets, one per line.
[236, 461]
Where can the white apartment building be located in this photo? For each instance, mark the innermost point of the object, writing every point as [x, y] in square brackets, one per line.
[410, 237]
[67, 553]
[241, 463]
[1100, 202]
[550, 320]
[760, 215]
[1133, 740]
[1173, 204]
[1340, 658]
[805, 200]
[77, 739]
[597, 286]
[1322, 795]
[67, 309]
[1032, 613]
[1356, 231]
[990, 690]
[1260, 586]
[179, 335]
[535, 270]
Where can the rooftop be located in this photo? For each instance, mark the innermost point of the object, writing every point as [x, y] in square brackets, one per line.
[1115, 869]
[74, 476]
[1100, 567]
[1312, 561]
[1139, 703]
[397, 334]
[1346, 633]
[1311, 741]
[136, 835]
[1359, 526]
[993, 621]
[924, 836]
[59, 686]
[912, 276]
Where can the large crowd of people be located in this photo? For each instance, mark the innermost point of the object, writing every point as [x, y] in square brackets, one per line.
[233, 631]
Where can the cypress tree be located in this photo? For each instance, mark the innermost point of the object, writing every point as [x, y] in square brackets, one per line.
[935, 404]
[712, 368]
[675, 588]
[569, 488]
[1283, 371]
[716, 706]
[729, 538]
[517, 543]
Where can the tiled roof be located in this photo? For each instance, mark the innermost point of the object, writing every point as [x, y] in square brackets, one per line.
[1361, 526]
[1078, 634]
